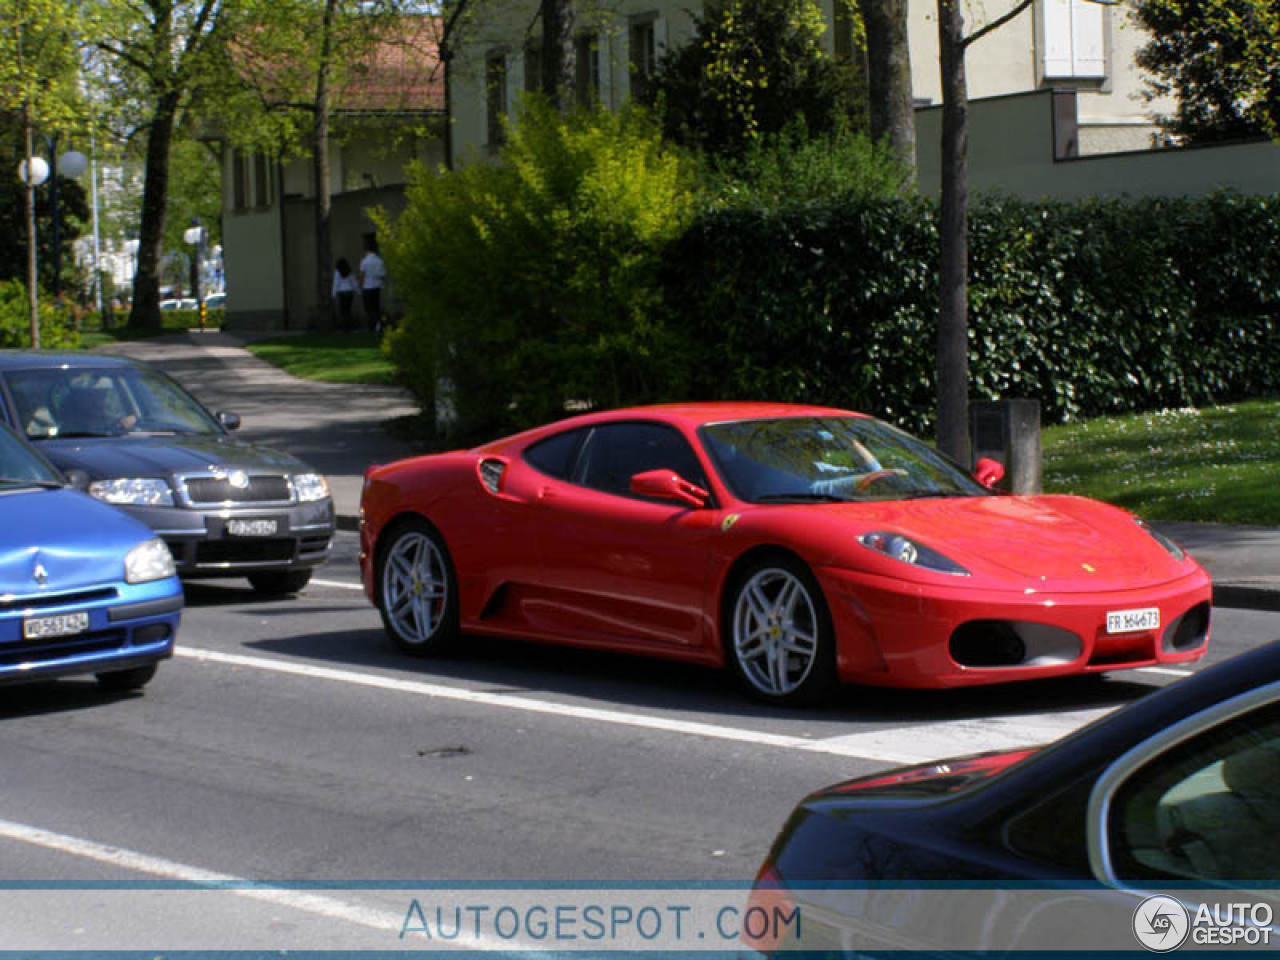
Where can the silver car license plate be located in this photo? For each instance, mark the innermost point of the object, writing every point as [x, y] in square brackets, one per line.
[251, 528]
[57, 625]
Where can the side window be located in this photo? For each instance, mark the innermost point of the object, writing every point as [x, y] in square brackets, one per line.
[556, 455]
[1207, 810]
[614, 453]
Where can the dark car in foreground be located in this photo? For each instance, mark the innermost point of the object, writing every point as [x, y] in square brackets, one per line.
[224, 507]
[1178, 792]
[83, 588]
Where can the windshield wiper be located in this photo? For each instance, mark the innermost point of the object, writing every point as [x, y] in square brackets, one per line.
[801, 496]
[937, 495]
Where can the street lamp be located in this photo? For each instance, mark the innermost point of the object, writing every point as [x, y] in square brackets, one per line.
[34, 171]
[195, 236]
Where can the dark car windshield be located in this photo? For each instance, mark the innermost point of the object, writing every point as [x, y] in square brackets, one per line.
[103, 402]
[827, 459]
[20, 467]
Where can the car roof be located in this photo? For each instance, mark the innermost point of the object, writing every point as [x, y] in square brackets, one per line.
[41, 360]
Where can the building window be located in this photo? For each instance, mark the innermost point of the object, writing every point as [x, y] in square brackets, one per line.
[495, 93]
[261, 181]
[842, 25]
[533, 68]
[643, 47]
[586, 69]
[1074, 40]
[240, 181]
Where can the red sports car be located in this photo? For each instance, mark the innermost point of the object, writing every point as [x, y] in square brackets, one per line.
[800, 545]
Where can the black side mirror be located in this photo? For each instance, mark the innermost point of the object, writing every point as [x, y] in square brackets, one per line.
[77, 478]
[229, 421]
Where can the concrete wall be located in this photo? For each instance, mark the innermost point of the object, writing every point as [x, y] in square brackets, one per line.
[1012, 151]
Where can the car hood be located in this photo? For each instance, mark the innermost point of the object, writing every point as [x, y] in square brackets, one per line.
[77, 540]
[1054, 542]
[155, 456]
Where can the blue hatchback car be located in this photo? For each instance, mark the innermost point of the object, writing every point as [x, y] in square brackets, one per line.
[84, 588]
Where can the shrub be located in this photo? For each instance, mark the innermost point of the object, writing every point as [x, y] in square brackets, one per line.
[532, 283]
[57, 327]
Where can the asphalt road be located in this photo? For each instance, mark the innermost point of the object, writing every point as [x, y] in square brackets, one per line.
[289, 742]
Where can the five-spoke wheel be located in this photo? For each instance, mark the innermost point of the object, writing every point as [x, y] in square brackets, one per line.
[780, 637]
[416, 591]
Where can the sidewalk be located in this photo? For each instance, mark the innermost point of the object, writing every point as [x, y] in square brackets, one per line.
[337, 428]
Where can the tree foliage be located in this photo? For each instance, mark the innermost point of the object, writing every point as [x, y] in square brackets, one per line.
[533, 283]
[1219, 60]
[752, 69]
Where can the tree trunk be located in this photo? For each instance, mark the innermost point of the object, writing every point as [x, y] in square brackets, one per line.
[889, 78]
[557, 52]
[155, 191]
[320, 169]
[952, 432]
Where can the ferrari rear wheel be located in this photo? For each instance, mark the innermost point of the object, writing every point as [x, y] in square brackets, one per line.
[781, 643]
[417, 592]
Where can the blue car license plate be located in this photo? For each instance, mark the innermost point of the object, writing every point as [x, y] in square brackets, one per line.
[56, 625]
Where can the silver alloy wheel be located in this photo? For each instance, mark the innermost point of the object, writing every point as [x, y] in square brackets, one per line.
[775, 631]
[415, 587]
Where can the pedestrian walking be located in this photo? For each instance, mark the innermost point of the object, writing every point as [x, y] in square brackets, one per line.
[344, 292]
[373, 273]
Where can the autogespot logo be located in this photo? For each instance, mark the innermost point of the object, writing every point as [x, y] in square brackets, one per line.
[1161, 924]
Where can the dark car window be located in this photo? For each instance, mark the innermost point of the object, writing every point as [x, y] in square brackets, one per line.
[105, 401]
[1207, 810]
[556, 456]
[615, 452]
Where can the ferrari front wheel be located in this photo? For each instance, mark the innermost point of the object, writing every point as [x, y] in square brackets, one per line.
[781, 643]
[417, 592]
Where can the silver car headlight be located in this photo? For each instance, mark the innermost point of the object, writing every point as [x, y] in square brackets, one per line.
[150, 560]
[908, 551]
[138, 491]
[310, 486]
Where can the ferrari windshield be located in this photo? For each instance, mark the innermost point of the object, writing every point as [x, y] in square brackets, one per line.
[830, 459]
[103, 402]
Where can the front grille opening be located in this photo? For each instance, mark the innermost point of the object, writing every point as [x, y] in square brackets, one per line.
[151, 633]
[1189, 631]
[45, 600]
[260, 489]
[243, 551]
[61, 648]
[1013, 643]
[987, 643]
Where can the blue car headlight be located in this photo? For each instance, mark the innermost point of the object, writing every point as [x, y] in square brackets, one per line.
[149, 560]
[310, 487]
[137, 491]
[908, 551]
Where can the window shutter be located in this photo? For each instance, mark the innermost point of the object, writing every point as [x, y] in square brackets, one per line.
[515, 83]
[604, 64]
[1057, 38]
[1087, 40]
[659, 39]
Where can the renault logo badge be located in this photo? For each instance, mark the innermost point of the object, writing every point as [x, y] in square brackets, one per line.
[40, 574]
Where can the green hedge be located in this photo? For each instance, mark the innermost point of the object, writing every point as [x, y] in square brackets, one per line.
[1093, 307]
[57, 327]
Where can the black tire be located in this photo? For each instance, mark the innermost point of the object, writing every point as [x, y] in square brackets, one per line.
[280, 583]
[123, 681]
[777, 632]
[417, 590]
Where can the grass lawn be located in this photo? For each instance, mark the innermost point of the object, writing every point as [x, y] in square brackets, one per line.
[1219, 464]
[331, 357]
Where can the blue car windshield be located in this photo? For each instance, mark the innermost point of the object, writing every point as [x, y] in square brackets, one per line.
[19, 467]
[104, 402]
[830, 459]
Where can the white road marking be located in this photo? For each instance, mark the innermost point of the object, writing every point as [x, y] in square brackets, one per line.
[315, 904]
[338, 584]
[912, 744]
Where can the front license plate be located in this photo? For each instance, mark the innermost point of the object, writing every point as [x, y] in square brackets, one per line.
[251, 528]
[1133, 621]
[58, 625]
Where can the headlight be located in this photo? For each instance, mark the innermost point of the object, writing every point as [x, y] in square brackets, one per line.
[1175, 551]
[907, 550]
[310, 486]
[140, 491]
[148, 561]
